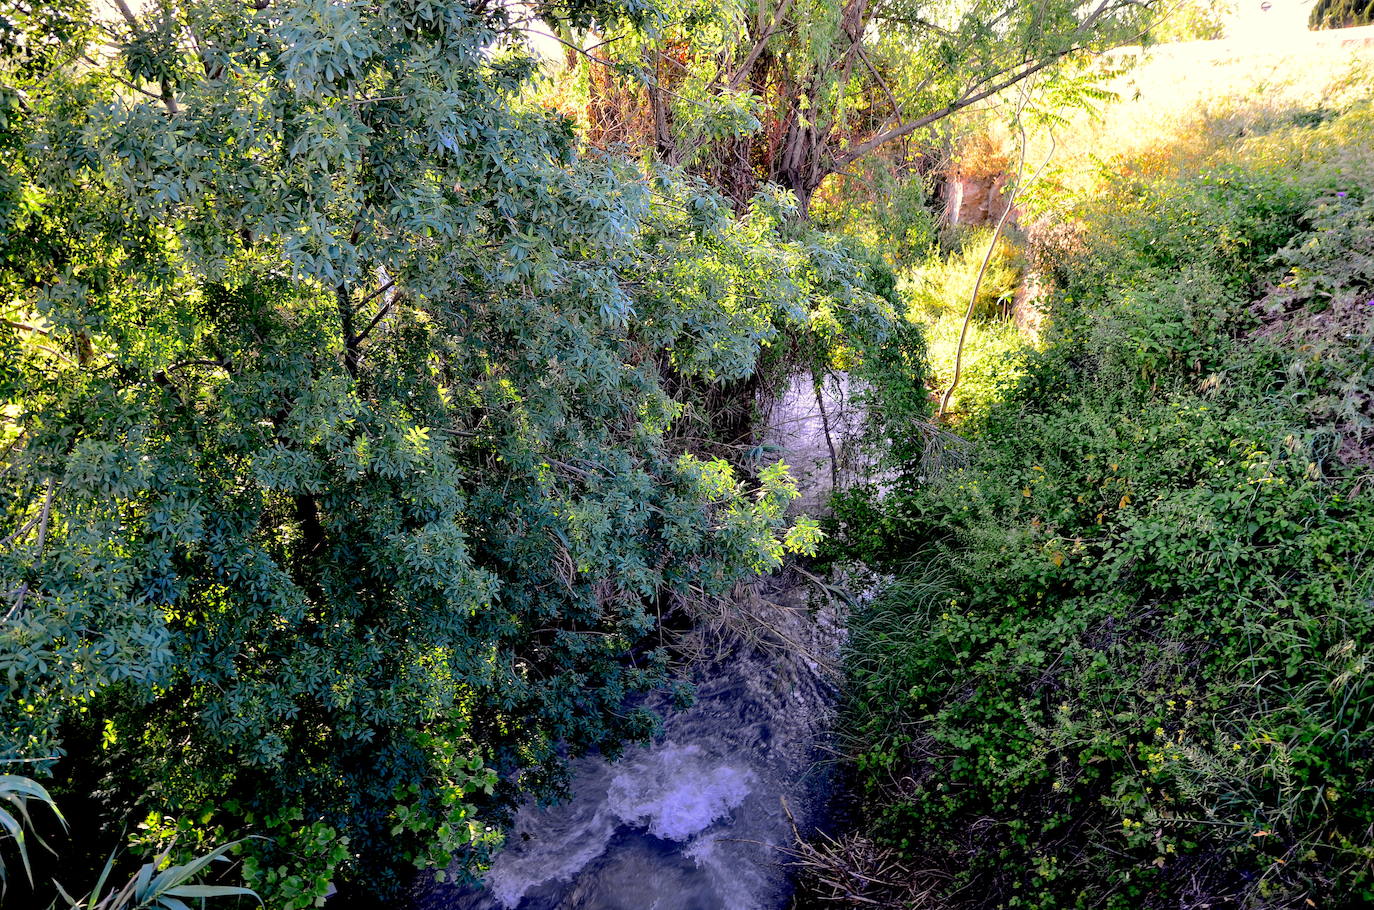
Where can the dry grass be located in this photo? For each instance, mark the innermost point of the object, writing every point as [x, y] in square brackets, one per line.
[853, 871]
[787, 614]
[1181, 104]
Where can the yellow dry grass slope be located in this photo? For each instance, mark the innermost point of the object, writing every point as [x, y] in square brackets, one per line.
[1180, 104]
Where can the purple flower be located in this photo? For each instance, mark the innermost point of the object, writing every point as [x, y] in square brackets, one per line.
[1340, 195]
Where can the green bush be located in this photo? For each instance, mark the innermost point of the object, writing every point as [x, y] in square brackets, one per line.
[340, 489]
[1126, 662]
[944, 282]
[935, 297]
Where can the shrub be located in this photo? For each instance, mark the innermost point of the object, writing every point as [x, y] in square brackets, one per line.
[339, 487]
[1125, 664]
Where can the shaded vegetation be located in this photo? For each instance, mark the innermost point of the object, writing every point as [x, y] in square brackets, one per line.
[1341, 13]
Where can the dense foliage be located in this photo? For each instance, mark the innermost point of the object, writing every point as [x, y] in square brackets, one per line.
[371, 390]
[1341, 13]
[752, 92]
[340, 471]
[1125, 660]
[935, 295]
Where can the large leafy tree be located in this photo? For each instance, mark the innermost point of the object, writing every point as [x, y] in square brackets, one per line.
[338, 466]
[789, 92]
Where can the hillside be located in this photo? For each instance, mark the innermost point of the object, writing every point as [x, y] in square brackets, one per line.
[1123, 661]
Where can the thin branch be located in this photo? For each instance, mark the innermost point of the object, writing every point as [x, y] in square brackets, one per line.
[568, 44]
[43, 523]
[129, 17]
[1023, 72]
[10, 446]
[992, 247]
[19, 532]
[752, 57]
[128, 14]
[356, 101]
[921, 23]
[375, 294]
[381, 313]
[350, 341]
[25, 327]
[56, 353]
[819, 386]
[200, 363]
[42, 536]
[906, 129]
[124, 82]
[983, 269]
[891, 98]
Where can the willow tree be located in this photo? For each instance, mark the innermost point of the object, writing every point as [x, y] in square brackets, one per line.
[337, 475]
[790, 91]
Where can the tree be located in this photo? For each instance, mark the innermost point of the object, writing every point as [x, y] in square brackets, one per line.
[791, 91]
[1196, 20]
[1341, 13]
[337, 420]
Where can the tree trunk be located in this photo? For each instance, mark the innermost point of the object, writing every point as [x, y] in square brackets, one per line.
[799, 167]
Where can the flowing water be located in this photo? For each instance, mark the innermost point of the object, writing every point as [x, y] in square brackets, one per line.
[696, 819]
[701, 818]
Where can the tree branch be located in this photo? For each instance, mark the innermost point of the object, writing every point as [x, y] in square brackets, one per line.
[42, 535]
[375, 294]
[752, 57]
[129, 17]
[381, 313]
[1026, 70]
[992, 248]
[350, 354]
[906, 129]
[882, 83]
[124, 82]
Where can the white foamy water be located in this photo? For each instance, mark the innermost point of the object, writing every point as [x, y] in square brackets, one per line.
[694, 820]
[678, 791]
[669, 792]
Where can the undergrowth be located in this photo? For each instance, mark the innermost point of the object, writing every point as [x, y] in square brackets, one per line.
[1125, 664]
[936, 296]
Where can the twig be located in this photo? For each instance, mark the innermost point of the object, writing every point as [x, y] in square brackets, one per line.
[829, 442]
[18, 606]
[167, 98]
[992, 249]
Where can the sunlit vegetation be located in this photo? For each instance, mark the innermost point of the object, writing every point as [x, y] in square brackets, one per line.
[379, 388]
[348, 420]
[1123, 664]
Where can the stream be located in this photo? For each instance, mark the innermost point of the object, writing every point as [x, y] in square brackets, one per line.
[701, 818]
